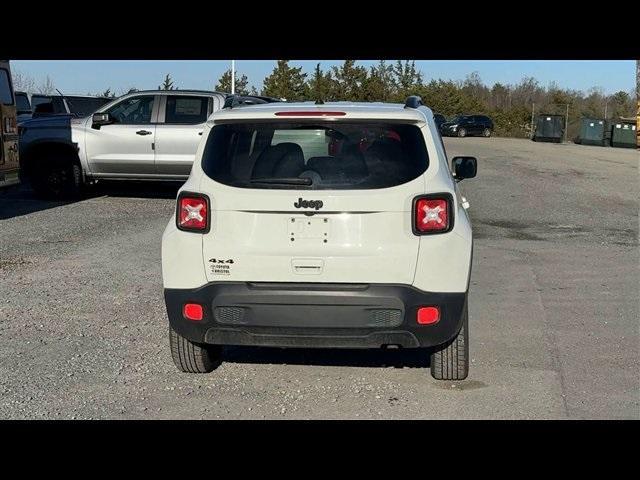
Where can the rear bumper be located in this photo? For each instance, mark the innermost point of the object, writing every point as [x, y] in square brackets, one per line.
[314, 315]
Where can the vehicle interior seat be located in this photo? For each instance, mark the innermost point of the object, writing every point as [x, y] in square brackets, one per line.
[281, 160]
[385, 158]
[349, 165]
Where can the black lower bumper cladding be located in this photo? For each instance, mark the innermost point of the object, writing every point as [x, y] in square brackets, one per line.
[334, 315]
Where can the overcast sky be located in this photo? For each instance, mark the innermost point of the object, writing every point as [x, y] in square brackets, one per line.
[83, 76]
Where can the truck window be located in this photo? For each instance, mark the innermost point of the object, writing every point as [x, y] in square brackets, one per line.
[133, 111]
[22, 103]
[6, 97]
[186, 110]
[84, 106]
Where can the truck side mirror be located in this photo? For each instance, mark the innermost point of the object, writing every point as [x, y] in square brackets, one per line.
[99, 119]
[464, 167]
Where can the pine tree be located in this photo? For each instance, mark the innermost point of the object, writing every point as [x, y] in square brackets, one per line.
[285, 82]
[378, 86]
[407, 79]
[348, 81]
[167, 84]
[320, 85]
[241, 83]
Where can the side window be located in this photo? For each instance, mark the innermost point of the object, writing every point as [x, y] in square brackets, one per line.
[186, 110]
[6, 97]
[133, 111]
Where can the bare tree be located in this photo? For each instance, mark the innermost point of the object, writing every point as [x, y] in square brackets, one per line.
[46, 87]
[23, 82]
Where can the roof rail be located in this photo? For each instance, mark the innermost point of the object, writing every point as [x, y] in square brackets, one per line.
[414, 101]
[237, 100]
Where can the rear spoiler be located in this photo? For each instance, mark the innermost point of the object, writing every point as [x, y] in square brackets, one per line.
[238, 100]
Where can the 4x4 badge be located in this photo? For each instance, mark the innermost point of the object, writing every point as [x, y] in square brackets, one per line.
[317, 204]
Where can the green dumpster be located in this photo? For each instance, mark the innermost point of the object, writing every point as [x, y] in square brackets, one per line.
[623, 135]
[549, 128]
[592, 131]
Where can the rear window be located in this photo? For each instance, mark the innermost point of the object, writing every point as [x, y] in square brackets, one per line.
[22, 102]
[315, 156]
[84, 106]
[6, 96]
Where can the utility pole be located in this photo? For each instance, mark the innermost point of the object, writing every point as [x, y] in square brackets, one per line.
[533, 109]
[606, 104]
[233, 77]
[566, 125]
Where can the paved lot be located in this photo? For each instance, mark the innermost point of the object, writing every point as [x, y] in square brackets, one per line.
[553, 308]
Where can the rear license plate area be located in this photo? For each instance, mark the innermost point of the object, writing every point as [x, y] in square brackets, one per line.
[314, 229]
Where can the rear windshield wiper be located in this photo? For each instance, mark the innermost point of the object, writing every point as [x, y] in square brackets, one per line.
[284, 181]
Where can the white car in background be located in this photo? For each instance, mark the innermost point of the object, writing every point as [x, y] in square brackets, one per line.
[337, 225]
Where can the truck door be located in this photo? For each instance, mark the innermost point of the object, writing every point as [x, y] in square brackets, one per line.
[179, 132]
[124, 148]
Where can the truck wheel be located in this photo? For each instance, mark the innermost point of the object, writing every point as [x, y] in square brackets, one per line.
[462, 132]
[451, 362]
[57, 179]
[486, 132]
[191, 357]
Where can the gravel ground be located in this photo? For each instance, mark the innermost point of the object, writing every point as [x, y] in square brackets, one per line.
[553, 308]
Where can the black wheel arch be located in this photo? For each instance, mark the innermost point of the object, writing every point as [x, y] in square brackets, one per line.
[48, 150]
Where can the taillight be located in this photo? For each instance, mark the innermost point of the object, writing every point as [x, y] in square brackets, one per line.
[193, 212]
[432, 214]
[10, 125]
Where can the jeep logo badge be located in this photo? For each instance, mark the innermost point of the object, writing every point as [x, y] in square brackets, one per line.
[317, 204]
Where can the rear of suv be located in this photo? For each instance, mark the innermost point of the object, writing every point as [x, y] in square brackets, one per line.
[468, 125]
[336, 225]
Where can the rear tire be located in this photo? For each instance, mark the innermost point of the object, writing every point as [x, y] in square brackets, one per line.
[451, 361]
[462, 132]
[192, 357]
[486, 132]
[59, 178]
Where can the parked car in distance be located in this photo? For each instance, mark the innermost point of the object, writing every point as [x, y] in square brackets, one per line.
[145, 135]
[339, 225]
[468, 125]
[23, 106]
[439, 119]
[74, 105]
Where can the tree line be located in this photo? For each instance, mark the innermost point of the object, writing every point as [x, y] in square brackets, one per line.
[509, 105]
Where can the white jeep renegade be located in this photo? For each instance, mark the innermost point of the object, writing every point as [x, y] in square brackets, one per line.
[336, 225]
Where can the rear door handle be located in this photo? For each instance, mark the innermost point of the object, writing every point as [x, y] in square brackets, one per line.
[143, 132]
[199, 133]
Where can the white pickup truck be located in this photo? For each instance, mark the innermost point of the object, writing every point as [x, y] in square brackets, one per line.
[145, 135]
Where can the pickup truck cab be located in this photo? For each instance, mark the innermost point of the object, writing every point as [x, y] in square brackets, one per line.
[145, 135]
[335, 225]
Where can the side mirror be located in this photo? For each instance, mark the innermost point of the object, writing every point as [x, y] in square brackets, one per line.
[464, 167]
[99, 119]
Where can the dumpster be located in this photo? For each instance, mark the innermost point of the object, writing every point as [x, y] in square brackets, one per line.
[592, 131]
[549, 128]
[623, 135]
